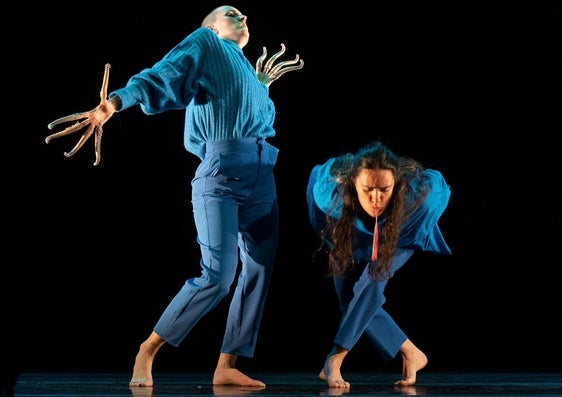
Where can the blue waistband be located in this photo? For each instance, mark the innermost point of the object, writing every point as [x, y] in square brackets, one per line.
[233, 144]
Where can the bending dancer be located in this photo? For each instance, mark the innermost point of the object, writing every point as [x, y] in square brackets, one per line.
[372, 210]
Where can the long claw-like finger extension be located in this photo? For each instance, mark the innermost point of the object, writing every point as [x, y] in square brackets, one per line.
[65, 119]
[289, 69]
[105, 83]
[259, 62]
[283, 64]
[92, 129]
[69, 130]
[273, 58]
[81, 142]
[97, 136]
[98, 131]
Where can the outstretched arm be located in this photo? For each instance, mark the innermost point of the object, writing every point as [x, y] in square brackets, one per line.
[268, 73]
[93, 120]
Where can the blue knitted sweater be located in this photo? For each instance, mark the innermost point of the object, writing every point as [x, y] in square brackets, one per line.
[214, 82]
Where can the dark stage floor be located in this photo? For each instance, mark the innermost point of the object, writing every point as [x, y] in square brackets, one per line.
[291, 384]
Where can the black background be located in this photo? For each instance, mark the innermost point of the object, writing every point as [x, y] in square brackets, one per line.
[94, 254]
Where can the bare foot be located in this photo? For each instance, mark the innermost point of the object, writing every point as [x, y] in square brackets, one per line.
[331, 373]
[413, 360]
[142, 371]
[233, 377]
[332, 377]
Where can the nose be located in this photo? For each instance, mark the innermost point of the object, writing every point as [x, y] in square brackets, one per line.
[375, 196]
[242, 17]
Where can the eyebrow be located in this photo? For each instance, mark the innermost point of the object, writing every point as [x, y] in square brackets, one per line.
[376, 187]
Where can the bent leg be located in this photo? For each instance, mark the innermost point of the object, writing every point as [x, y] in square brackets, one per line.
[216, 223]
[361, 300]
[257, 239]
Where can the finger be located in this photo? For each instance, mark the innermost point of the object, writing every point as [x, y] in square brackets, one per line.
[285, 63]
[65, 119]
[259, 62]
[69, 130]
[98, 131]
[80, 143]
[289, 69]
[273, 58]
[105, 82]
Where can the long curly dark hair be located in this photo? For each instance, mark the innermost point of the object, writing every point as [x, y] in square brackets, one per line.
[406, 197]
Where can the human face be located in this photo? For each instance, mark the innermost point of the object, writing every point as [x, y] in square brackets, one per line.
[230, 24]
[374, 190]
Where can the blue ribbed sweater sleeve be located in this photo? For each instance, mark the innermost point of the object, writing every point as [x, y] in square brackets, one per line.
[216, 85]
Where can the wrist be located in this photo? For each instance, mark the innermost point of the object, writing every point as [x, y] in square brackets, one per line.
[116, 102]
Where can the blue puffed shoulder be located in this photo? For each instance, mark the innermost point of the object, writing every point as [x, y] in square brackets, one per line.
[325, 190]
[421, 230]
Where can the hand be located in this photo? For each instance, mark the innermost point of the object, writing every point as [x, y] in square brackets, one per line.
[93, 119]
[268, 74]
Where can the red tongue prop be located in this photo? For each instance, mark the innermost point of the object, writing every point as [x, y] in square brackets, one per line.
[375, 239]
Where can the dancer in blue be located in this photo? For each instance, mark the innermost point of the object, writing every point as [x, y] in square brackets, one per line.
[372, 210]
[229, 116]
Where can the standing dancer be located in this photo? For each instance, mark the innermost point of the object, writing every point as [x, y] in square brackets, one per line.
[229, 116]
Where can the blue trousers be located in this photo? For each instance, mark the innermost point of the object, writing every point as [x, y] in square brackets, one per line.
[236, 214]
[361, 299]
